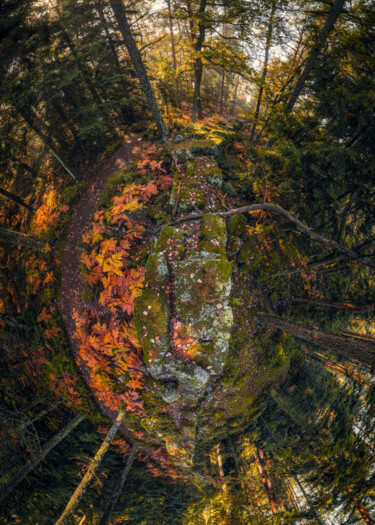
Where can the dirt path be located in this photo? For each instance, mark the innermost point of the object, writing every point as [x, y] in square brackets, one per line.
[71, 283]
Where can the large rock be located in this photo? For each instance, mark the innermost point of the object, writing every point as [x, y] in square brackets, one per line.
[203, 285]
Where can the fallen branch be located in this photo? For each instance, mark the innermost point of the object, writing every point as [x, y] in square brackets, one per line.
[291, 218]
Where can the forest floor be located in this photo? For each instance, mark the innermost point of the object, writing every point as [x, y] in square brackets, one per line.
[72, 285]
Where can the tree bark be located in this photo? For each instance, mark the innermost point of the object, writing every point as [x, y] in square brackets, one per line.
[16, 199]
[197, 105]
[352, 348]
[336, 367]
[32, 463]
[93, 466]
[327, 28]
[173, 46]
[264, 71]
[335, 304]
[119, 487]
[20, 239]
[119, 11]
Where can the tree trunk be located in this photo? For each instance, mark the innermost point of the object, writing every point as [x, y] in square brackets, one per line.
[266, 482]
[352, 348]
[327, 28]
[32, 463]
[28, 421]
[335, 304]
[16, 199]
[20, 239]
[224, 486]
[93, 466]
[235, 96]
[173, 45]
[198, 67]
[47, 141]
[264, 71]
[336, 367]
[119, 487]
[119, 11]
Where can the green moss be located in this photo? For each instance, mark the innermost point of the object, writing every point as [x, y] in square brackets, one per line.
[151, 322]
[170, 239]
[189, 199]
[213, 234]
[214, 176]
[237, 225]
[157, 272]
[233, 246]
[247, 251]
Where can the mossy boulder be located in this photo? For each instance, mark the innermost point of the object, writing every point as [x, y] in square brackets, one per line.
[233, 246]
[214, 176]
[213, 237]
[203, 285]
[237, 225]
[170, 240]
[157, 272]
[151, 322]
[247, 251]
[189, 199]
[190, 376]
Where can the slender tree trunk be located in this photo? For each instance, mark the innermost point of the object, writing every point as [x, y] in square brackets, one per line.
[352, 348]
[94, 465]
[266, 482]
[28, 421]
[361, 509]
[119, 487]
[135, 55]
[224, 486]
[311, 506]
[264, 71]
[335, 304]
[173, 46]
[234, 103]
[197, 104]
[112, 47]
[16, 199]
[47, 141]
[20, 239]
[327, 28]
[222, 91]
[336, 367]
[32, 463]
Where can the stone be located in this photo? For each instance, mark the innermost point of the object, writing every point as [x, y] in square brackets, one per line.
[214, 176]
[234, 245]
[178, 138]
[151, 322]
[170, 239]
[191, 376]
[229, 189]
[189, 199]
[157, 272]
[213, 237]
[169, 393]
[237, 225]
